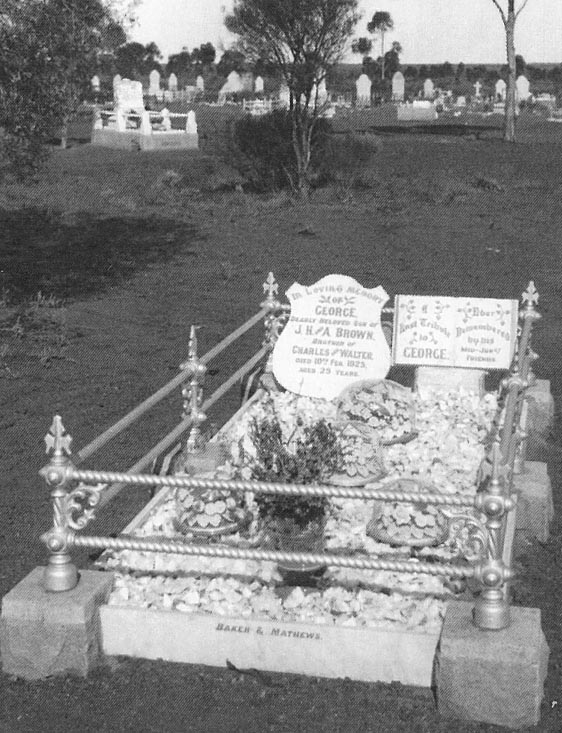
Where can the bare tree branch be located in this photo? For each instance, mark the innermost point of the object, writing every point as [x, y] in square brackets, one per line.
[521, 8]
[501, 11]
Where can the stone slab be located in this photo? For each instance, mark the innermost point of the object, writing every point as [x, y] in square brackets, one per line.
[535, 508]
[43, 634]
[366, 654]
[449, 378]
[491, 676]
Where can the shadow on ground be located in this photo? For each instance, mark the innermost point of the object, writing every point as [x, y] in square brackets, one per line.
[70, 256]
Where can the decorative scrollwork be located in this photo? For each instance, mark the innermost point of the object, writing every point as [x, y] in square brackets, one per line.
[467, 535]
[80, 505]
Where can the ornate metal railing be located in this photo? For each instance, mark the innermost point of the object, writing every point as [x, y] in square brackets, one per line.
[484, 515]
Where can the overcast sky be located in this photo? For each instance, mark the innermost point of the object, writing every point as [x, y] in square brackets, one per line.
[430, 31]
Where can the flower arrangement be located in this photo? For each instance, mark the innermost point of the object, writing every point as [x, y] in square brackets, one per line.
[309, 458]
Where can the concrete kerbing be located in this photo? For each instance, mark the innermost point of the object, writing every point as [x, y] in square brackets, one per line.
[43, 634]
[492, 677]
[535, 508]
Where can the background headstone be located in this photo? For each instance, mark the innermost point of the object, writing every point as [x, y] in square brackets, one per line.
[233, 83]
[428, 88]
[363, 87]
[191, 123]
[154, 82]
[284, 95]
[501, 88]
[461, 101]
[116, 81]
[398, 87]
[332, 339]
[522, 88]
[200, 83]
[258, 85]
[95, 82]
[172, 83]
[478, 89]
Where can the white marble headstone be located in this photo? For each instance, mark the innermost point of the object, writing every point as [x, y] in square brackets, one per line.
[333, 337]
[363, 88]
[154, 82]
[428, 88]
[172, 83]
[95, 82]
[398, 87]
[200, 83]
[523, 88]
[501, 87]
[258, 85]
[127, 95]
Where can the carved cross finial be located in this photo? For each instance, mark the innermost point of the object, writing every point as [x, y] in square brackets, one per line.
[57, 439]
[270, 287]
[530, 297]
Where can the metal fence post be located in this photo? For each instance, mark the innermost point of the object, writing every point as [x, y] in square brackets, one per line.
[60, 574]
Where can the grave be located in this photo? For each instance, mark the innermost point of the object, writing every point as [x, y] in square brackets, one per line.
[95, 83]
[363, 89]
[204, 602]
[398, 87]
[232, 85]
[419, 110]
[200, 83]
[428, 89]
[129, 125]
[478, 89]
[522, 88]
[501, 88]
[284, 95]
[154, 83]
[258, 85]
[172, 83]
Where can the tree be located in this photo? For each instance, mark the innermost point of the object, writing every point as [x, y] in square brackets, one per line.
[48, 49]
[179, 63]
[362, 46]
[304, 38]
[509, 14]
[132, 60]
[231, 60]
[391, 61]
[381, 22]
[204, 56]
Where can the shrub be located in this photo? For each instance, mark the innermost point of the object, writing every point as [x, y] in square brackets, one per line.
[262, 149]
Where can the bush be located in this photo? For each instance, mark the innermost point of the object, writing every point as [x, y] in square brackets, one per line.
[262, 150]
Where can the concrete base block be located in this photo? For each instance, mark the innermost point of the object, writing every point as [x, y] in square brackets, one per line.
[448, 378]
[491, 676]
[541, 408]
[43, 633]
[535, 508]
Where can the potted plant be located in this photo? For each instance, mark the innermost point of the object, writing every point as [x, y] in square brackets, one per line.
[309, 456]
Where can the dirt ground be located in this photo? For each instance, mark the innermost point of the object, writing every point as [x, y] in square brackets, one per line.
[130, 249]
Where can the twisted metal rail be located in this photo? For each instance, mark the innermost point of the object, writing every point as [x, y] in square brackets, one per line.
[265, 487]
[154, 399]
[305, 558]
